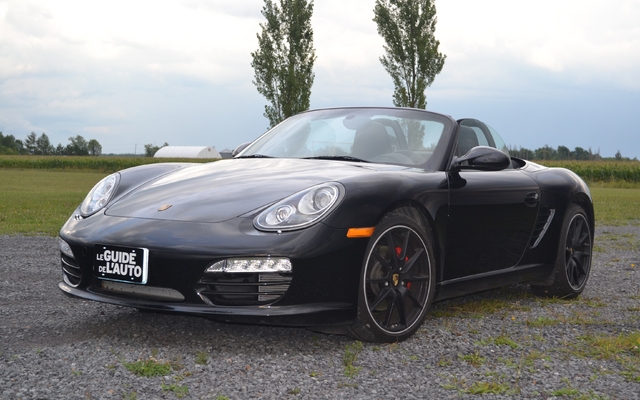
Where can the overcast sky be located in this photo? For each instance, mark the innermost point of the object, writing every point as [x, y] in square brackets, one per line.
[128, 73]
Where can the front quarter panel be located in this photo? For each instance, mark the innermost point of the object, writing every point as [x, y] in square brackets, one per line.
[369, 198]
[559, 187]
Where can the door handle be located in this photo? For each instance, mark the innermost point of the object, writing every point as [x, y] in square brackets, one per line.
[531, 199]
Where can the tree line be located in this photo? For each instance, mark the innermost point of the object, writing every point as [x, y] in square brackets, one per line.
[547, 152]
[42, 146]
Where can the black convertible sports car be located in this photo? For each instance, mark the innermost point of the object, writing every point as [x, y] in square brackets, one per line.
[352, 218]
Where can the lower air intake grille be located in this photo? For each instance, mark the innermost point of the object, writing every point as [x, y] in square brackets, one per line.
[71, 272]
[242, 289]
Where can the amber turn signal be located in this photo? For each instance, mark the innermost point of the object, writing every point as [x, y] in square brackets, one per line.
[360, 232]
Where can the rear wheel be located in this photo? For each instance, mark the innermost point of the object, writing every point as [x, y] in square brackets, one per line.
[573, 262]
[397, 280]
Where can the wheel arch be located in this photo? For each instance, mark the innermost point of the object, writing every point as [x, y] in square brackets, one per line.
[584, 201]
[430, 223]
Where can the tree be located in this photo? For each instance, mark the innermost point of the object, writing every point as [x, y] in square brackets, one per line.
[31, 143]
[9, 145]
[582, 154]
[283, 63]
[564, 153]
[521, 152]
[151, 149]
[94, 148]
[44, 146]
[545, 153]
[77, 147]
[412, 58]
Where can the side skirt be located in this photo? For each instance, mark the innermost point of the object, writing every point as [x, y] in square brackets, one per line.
[492, 280]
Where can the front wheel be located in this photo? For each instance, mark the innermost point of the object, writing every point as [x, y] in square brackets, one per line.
[397, 280]
[573, 262]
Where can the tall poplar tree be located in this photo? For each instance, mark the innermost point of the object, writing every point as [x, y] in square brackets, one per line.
[412, 58]
[283, 63]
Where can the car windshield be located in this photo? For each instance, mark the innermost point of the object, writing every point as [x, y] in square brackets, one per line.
[377, 135]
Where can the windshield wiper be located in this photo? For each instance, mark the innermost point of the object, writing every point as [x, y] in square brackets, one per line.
[254, 156]
[339, 158]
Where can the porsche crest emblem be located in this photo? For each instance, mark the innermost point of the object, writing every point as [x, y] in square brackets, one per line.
[165, 207]
[396, 279]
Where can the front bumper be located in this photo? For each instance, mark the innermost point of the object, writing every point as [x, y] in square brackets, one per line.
[318, 314]
[322, 288]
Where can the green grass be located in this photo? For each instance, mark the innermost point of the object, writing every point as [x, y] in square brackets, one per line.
[179, 390]
[615, 206]
[202, 358]
[474, 359]
[607, 346]
[148, 368]
[542, 321]
[36, 202]
[351, 353]
[481, 387]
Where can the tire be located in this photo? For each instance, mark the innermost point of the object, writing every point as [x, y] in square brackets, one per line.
[397, 281]
[573, 262]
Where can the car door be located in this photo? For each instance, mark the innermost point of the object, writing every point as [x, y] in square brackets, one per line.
[491, 215]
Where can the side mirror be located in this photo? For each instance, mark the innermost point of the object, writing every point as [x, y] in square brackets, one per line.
[238, 149]
[482, 158]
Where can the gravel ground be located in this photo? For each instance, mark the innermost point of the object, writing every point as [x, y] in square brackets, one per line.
[498, 344]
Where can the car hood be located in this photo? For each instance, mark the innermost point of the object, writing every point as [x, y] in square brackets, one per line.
[226, 189]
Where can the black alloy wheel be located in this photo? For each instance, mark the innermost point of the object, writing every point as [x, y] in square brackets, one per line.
[397, 282]
[573, 262]
[578, 252]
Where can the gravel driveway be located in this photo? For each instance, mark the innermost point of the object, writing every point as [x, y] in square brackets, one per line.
[498, 344]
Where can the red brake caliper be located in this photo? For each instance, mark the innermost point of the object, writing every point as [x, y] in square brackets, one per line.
[398, 251]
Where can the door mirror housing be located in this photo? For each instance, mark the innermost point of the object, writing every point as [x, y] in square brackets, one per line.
[482, 158]
[238, 149]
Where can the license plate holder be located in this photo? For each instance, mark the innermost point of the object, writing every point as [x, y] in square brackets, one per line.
[122, 264]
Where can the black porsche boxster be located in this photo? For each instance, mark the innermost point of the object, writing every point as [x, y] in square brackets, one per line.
[346, 218]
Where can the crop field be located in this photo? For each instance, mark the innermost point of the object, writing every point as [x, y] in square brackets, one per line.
[621, 172]
[102, 164]
[38, 202]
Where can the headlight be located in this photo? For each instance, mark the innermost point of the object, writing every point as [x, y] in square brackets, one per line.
[301, 209]
[100, 195]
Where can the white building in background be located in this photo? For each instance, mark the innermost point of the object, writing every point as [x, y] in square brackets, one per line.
[226, 153]
[187, 152]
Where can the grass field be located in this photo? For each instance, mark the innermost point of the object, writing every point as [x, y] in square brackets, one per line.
[38, 202]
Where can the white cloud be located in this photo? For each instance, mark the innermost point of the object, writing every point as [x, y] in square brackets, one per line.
[587, 40]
